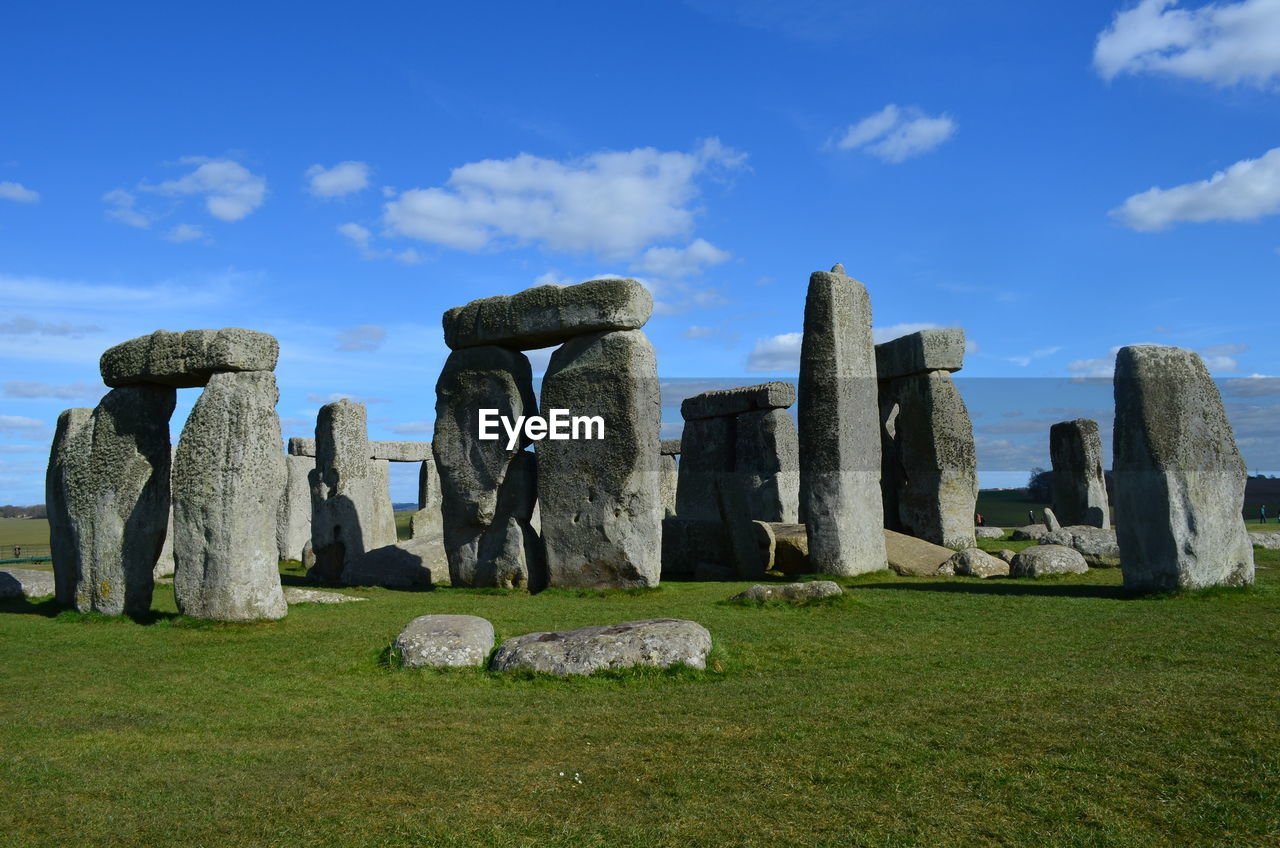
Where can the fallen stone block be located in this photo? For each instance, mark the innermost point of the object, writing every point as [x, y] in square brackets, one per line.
[658, 643]
[912, 557]
[1043, 560]
[808, 591]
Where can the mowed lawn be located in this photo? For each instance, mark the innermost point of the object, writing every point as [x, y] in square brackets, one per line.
[909, 712]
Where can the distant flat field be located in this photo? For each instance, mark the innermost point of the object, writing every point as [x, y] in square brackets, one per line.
[23, 531]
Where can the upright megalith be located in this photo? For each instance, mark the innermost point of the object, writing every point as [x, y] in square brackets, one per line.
[228, 478]
[1179, 478]
[487, 486]
[600, 498]
[350, 501]
[109, 481]
[839, 429]
[293, 520]
[1079, 484]
[668, 475]
[929, 466]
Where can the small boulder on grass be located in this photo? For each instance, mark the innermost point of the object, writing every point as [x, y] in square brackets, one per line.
[1270, 541]
[989, 532]
[1041, 560]
[445, 640]
[808, 591]
[25, 583]
[1029, 532]
[655, 642]
[974, 562]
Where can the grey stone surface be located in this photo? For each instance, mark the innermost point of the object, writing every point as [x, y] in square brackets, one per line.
[1006, 554]
[974, 562]
[929, 482]
[808, 591]
[659, 642]
[164, 563]
[294, 595]
[1041, 560]
[767, 465]
[718, 403]
[1029, 532]
[840, 500]
[1051, 522]
[1270, 541]
[445, 641]
[690, 542]
[911, 557]
[709, 452]
[790, 548]
[408, 564]
[187, 359]
[1098, 547]
[25, 583]
[400, 451]
[488, 491]
[429, 496]
[112, 478]
[351, 509]
[669, 447]
[1179, 478]
[228, 477]
[920, 352]
[1079, 483]
[600, 499]
[293, 519]
[549, 315]
[668, 484]
[989, 532]
[302, 446]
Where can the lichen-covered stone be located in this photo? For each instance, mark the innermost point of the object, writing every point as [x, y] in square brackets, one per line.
[228, 478]
[989, 532]
[1079, 483]
[412, 563]
[445, 641]
[1042, 560]
[187, 359]
[669, 447]
[709, 452]
[294, 595]
[600, 498]
[67, 474]
[974, 562]
[302, 446]
[921, 352]
[549, 315]
[767, 465]
[293, 521]
[717, 403]
[808, 591]
[668, 484]
[25, 583]
[840, 499]
[1179, 478]
[400, 451]
[1099, 547]
[659, 642]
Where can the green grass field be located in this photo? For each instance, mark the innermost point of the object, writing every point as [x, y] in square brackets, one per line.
[910, 712]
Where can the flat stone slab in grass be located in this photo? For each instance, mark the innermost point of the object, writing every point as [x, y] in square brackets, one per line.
[715, 404]
[445, 640]
[1029, 532]
[656, 642]
[809, 591]
[1099, 547]
[912, 557]
[188, 359]
[25, 583]
[294, 595]
[1270, 541]
[974, 562]
[1047, 559]
[989, 532]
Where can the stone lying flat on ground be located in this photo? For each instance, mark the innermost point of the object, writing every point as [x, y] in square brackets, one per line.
[989, 532]
[715, 404]
[1098, 547]
[412, 563]
[669, 447]
[294, 595]
[1042, 560]
[912, 557]
[1029, 532]
[657, 642]
[916, 353]
[808, 591]
[445, 641]
[188, 359]
[974, 562]
[549, 315]
[25, 583]
[1270, 541]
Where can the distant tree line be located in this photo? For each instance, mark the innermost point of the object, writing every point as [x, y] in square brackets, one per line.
[37, 511]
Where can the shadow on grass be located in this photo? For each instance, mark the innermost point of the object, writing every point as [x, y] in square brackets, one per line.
[50, 608]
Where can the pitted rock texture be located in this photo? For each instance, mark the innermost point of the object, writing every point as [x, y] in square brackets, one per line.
[600, 499]
[912, 557]
[1179, 478]
[401, 451]
[1079, 484]
[989, 532]
[974, 562]
[302, 446]
[668, 484]
[25, 583]
[228, 478]
[445, 641]
[920, 352]
[293, 520]
[709, 452]
[767, 465]
[1051, 522]
[658, 642]
[808, 591]
[188, 359]
[1029, 532]
[1043, 560]
[1098, 547]
[717, 403]
[669, 447]
[1270, 541]
[840, 500]
[294, 595]
[67, 475]
[549, 315]
[413, 563]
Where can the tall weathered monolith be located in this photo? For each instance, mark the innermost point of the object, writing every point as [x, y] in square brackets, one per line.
[839, 428]
[1079, 484]
[1179, 478]
[66, 478]
[293, 522]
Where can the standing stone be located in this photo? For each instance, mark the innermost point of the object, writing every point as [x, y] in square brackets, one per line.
[1051, 522]
[229, 476]
[767, 465]
[117, 499]
[164, 564]
[709, 448]
[487, 489]
[839, 429]
[1079, 485]
[348, 516]
[66, 480]
[600, 498]
[293, 523]
[668, 484]
[1179, 478]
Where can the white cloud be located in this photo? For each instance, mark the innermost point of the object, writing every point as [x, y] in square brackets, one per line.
[22, 326]
[22, 427]
[229, 189]
[1104, 367]
[362, 337]
[1023, 360]
[610, 203]
[696, 331]
[31, 389]
[1220, 363]
[410, 257]
[122, 206]
[1222, 43]
[896, 134]
[185, 232]
[18, 193]
[1246, 191]
[893, 331]
[343, 178]
[776, 353]
[681, 261]
[358, 234]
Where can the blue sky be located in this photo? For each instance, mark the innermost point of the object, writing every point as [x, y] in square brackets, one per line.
[1058, 179]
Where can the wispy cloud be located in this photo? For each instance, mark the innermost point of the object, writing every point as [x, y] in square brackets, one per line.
[1025, 359]
[412, 428]
[230, 191]
[23, 428]
[776, 353]
[23, 326]
[342, 179]
[18, 193]
[1246, 191]
[70, 391]
[896, 134]
[186, 232]
[362, 337]
[681, 261]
